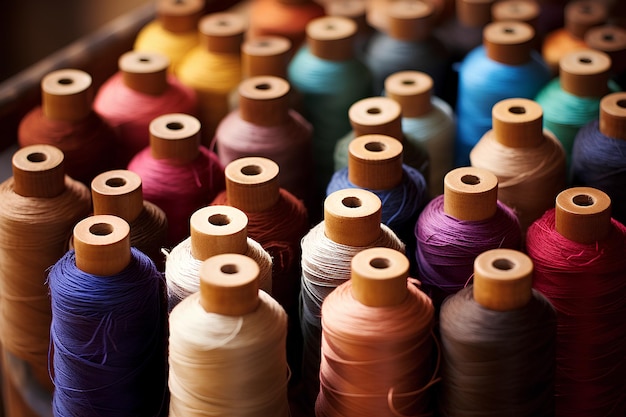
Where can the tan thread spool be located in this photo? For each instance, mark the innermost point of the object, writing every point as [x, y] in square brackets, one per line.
[216, 230]
[352, 9]
[331, 37]
[252, 184]
[375, 162]
[502, 279]
[176, 137]
[229, 285]
[583, 214]
[470, 194]
[410, 20]
[582, 15]
[264, 100]
[612, 41]
[526, 11]
[222, 32]
[376, 115]
[612, 122]
[518, 123]
[102, 245]
[145, 72]
[179, 16]
[67, 94]
[585, 73]
[412, 90]
[352, 217]
[119, 193]
[508, 42]
[474, 13]
[38, 171]
[379, 277]
[266, 55]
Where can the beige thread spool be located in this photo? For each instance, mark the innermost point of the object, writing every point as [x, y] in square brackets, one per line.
[352, 217]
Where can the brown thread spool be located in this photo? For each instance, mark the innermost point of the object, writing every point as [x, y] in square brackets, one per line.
[175, 137]
[582, 15]
[38, 171]
[229, 285]
[217, 230]
[585, 73]
[518, 123]
[252, 184]
[264, 100]
[352, 9]
[508, 42]
[145, 72]
[352, 217]
[67, 95]
[117, 193]
[583, 214]
[331, 37]
[412, 90]
[410, 20]
[474, 13]
[612, 122]
[526, 11]
[470, 194]
[102, 245]
[179, 16]
[266, 55]
[376, 115]
[502, 279]
[375, 162]
[222, 33]
[379, 277]
[612, 41]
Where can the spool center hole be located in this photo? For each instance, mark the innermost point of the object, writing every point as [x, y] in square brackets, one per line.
[375, 146]
[144, 59]
[508, 31]
[374, 110]
[36, 157]
[174, 125]
[517, 110]
[408, 82]
[351, 202]
[263, 86]
[115, 182]
[585, 9]
[264, 44]
[621, 103]
[470, 179]
[223, 23]
[503, 264]
[380, 263]
[608, 37]
[330, 27]
[66, 81]
[585, 60]
[229, 269]
[583, 200]
[219, 220]
[251, 170]
[101, 229]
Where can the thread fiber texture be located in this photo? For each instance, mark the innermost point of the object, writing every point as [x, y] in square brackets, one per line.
[154, 38]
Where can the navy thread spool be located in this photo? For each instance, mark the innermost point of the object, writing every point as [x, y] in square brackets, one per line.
[504, 66]
[611, 40]
[407, 44]
[598, 153]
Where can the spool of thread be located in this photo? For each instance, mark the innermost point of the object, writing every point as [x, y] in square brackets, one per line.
[376, 321]
[381, 116]
[597, 153]
[141, 91]
[427, 120]
[108, 319]
[227, 345]
[357, 11]
[179, 174]
[120, 193]
[39, 205]
[266, 55]
[572, 99]
[330, 79]
[578, 253]
[287, 18]
[352, 223]
[214, 230]
[265, 125]
[612, 41]
[375, 164]
[528, 161]
[505, 66]
[174, 32]
[527, 11]
[213, 68]
[579, 16]
[498, 340]
[408, 44]
[66, 121]
[457, 226]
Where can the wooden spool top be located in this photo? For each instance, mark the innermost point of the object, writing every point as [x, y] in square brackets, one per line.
[581, 15]
[38, 171]
[526, 11]
[175, 136]
[266, 55]
[518, 123]
[610, 40]
[376, 115]
[67, 95]
[216, 230]
[585, 73]
[612, 121]
[412, 90]
[583, 214]
[379, 277]
[145, 72]
[410, 20]
[229, 285]
[474, 13]
[353, 9]
[179, 16]
[119, 193]
[252, 183]
[222, 32]
[352, 217]
[264, 100]
[470, 194]
[102, 245]
[375, 162]
[502, 279]
[331, 37]
[508, 42]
